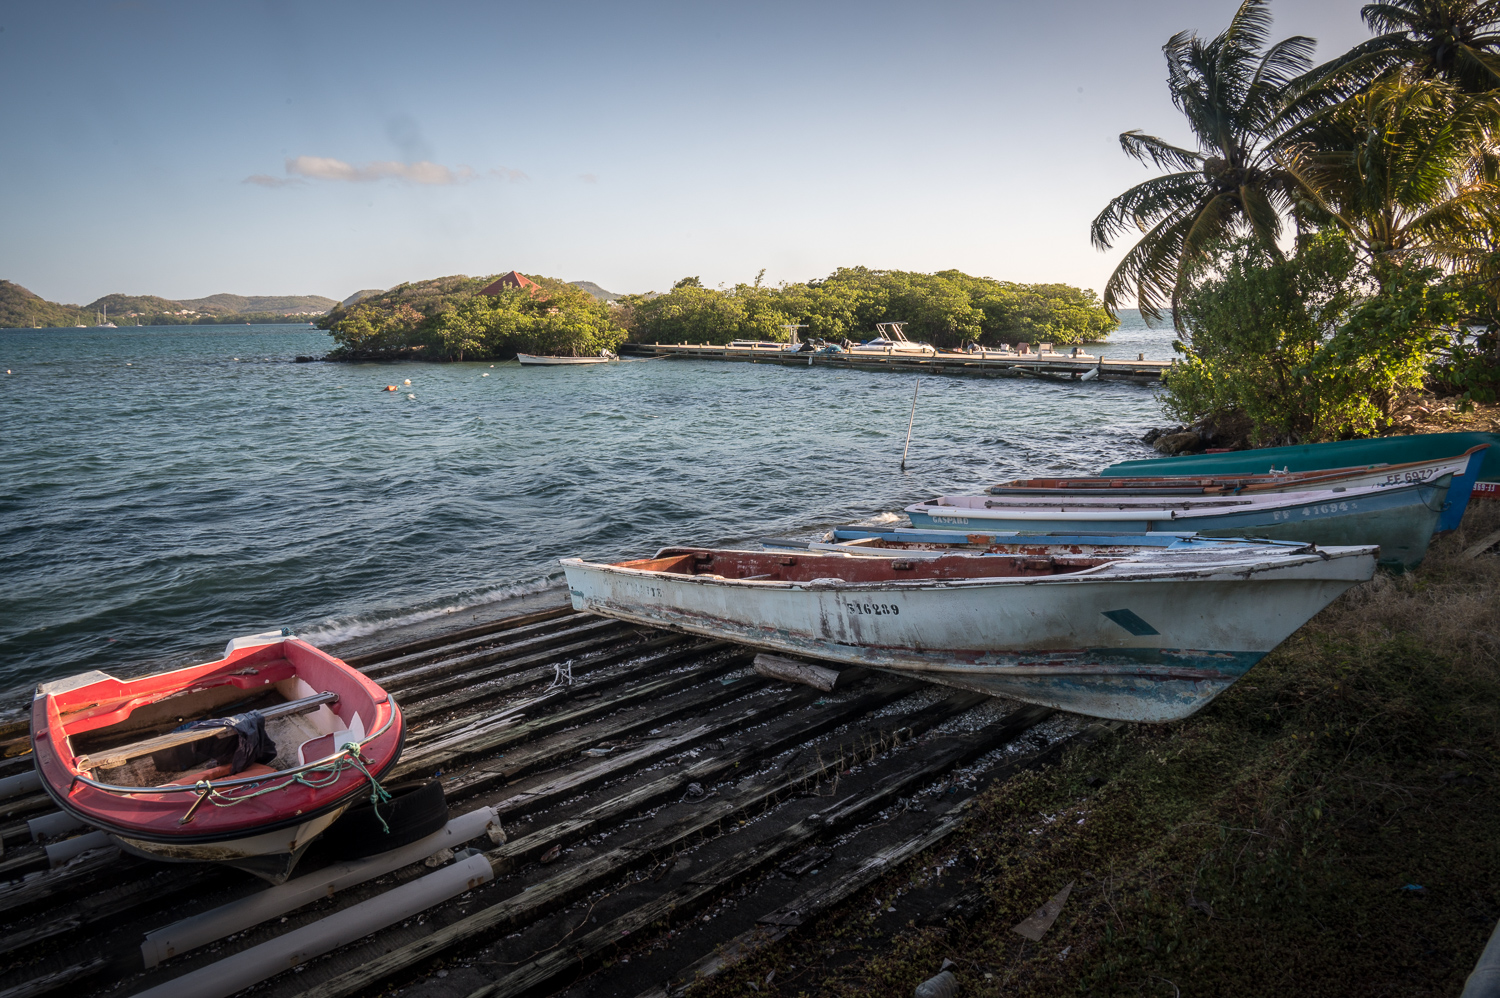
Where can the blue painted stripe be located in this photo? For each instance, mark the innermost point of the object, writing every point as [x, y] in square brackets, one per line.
[1131, 621]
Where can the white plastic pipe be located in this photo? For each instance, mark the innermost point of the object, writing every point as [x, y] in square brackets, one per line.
[21, 783]
[236, 916]
[59, 853]
[52, 824]
[251, 966]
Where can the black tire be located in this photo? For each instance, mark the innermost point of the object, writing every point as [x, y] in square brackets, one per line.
[415, 810]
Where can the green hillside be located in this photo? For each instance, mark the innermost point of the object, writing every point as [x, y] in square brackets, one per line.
[227, 304]
[21, 309]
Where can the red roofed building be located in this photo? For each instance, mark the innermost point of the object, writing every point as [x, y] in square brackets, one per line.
[514, 279]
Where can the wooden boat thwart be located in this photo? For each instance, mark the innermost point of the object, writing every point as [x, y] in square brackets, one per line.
[245, 760]
[1400, 519]
[1143, 636]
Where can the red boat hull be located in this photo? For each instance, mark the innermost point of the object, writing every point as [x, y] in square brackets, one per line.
[63, 712]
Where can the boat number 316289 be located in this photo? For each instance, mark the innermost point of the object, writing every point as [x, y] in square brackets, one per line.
[873, 608]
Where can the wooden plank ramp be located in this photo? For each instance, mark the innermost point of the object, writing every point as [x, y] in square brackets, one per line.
[657, 792]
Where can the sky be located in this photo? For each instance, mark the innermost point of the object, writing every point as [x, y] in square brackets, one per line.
[187, 149]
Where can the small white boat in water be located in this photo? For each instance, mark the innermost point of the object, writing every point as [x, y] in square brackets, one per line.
[536, 360]
[1108, 630]
[891, 341]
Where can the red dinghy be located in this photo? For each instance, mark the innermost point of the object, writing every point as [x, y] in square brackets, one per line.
[243, 761]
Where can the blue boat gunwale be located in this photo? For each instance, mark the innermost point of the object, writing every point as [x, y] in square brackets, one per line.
[1483, 466]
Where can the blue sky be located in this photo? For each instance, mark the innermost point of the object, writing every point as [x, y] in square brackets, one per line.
[184, 149]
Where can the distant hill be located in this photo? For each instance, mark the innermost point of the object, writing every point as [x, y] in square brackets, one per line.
[595, 290]
[215, 305]
[360, 296]
[20, 308]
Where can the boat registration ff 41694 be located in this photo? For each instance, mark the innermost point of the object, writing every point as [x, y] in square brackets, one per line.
[1322, 509]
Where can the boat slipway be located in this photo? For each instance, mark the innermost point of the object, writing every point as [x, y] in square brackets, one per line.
[1149, 635]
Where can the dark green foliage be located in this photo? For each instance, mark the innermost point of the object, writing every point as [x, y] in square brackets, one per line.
[947, 309]
[1452, 40]
[446, 319]
[1308, 348]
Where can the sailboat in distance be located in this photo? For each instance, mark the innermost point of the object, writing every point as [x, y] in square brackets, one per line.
[104, 322]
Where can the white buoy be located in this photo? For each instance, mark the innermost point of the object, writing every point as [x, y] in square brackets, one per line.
[411, 396]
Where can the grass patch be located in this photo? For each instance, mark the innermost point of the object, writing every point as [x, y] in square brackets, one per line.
[1264, 846]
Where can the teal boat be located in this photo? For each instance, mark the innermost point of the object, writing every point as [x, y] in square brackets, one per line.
[1342, 454]
[1399, 518]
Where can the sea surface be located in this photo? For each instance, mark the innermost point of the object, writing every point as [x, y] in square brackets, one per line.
[167, 488]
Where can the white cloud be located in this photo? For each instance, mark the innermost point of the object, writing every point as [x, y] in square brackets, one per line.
[422, 172]
[266, 180]
[506, 173]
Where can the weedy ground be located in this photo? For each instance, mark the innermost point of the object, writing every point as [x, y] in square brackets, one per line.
[1328, 826]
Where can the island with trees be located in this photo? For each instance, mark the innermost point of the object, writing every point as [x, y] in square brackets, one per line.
[449, 319]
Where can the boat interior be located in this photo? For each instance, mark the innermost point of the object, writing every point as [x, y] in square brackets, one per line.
[778, 566]
[1094, 502]
[131, 738]
[982, 544]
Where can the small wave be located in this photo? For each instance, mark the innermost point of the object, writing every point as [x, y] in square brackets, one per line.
[347, 628]
[882, 520]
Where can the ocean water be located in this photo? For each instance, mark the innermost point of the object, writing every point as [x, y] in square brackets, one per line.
[168, 488]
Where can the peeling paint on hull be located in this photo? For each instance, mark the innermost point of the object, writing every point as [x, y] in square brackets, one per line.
[1044, 640]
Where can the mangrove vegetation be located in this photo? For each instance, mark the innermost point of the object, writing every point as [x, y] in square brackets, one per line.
[449, 319]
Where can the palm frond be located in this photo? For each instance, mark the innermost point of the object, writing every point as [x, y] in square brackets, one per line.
[1140, 146]
[1155, 198]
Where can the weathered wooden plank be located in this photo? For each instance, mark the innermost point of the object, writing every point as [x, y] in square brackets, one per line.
[363, 662]
[573, 883]
[580, 955]
[794, 670]
[490, 741]
[597, 630]
[668, 649]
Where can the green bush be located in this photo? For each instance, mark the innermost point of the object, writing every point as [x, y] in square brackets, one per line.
[1309, 347]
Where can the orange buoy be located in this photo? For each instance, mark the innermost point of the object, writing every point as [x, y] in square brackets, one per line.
[390, 388]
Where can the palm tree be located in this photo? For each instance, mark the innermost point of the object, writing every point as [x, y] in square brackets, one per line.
[1405, 169]
[1453, 40]
[1231, 89]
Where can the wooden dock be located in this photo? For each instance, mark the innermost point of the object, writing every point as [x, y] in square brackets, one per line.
[668, 812]
[988, 364]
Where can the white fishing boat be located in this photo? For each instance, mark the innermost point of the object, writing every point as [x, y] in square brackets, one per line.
[537, 360]
[891, 341]
[1137, 635]
[792, 344]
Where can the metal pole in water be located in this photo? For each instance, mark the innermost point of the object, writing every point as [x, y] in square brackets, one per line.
[909, 422]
